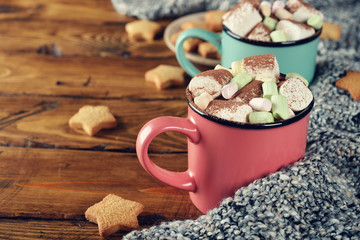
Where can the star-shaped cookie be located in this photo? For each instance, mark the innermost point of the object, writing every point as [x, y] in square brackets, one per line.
[164, 76]
[114, 213]
[92, 119]
[350, 83]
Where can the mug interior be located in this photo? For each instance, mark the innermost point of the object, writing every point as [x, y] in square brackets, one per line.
[272, 44]
[297, 117]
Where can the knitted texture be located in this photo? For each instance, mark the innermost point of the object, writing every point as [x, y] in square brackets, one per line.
[317, 197]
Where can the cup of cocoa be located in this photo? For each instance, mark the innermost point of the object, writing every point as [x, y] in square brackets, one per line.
[290, 30]
[243, 123]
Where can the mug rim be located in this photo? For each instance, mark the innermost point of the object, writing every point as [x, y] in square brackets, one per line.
[272, 44]
[221, 121]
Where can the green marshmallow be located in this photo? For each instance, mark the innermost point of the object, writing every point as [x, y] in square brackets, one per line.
[261, 117]
[242, 79]
[269, 89]
[278, 36]
[270, 23]
[315, 22]
[280, 108]
[296, 75]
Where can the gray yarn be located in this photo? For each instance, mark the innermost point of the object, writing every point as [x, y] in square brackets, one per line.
[156, 9]
[318, 197]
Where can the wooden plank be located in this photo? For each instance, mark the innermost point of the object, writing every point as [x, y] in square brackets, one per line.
[25, 229]
[83, 39]
[100, 78]
[64, 10]
[42, 122]
[77, 28]
[62, 184]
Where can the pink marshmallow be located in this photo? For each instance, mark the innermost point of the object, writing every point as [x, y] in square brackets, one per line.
[229, 90]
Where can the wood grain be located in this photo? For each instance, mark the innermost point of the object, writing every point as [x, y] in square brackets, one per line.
[62, 184]
[81, 77]
[55, 57]
[42, 122]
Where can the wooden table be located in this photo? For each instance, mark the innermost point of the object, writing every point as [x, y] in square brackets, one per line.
[49, 173]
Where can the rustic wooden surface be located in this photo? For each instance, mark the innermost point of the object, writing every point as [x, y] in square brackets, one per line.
[49, 173]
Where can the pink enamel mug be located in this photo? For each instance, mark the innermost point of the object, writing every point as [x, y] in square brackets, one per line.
[222, 155]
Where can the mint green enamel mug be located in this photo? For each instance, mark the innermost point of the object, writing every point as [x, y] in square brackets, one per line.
[292, 56]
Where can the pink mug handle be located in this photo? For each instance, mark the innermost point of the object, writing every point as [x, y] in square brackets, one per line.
[182, 180]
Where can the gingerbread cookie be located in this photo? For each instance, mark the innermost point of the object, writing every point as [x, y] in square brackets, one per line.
[142, 30]
[114, 213]
[350, 83]
[164, 76]
[213, 20]
[92, 119]
[194, 24]
[208, 50]
[331, 31]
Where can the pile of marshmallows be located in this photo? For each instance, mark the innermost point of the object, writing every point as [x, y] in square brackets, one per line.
[273, 22]
[252, 91]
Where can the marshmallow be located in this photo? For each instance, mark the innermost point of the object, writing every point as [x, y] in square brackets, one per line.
[291, 113]
[229, 90]
[292, 74]
[265, 8]
[261, 104]
[265, 79]
[236, 67]
[265, 66]
[278, 36]
[302, 11]
[270, 23]
[229, 110]
[269, 89]
[297, 94]
[282, 14]
[210, 81]
[276, 6]
[260, 33]
[261, 117]
[315, 22]
[218, 66]
[242, 18]
[242, 79]
[250, 91]
[203, 100]
[294, 31]
[280, 108]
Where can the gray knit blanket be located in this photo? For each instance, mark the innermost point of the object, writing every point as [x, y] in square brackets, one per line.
[318, 197]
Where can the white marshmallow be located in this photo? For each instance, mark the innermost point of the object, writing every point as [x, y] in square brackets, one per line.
[302, 11]
[265, 8]
[294, 31]
[203, 100]
[210, 81]
[242, 19]
[229, 110]
[303, 14]
[219, 66]
[261, 104]
[297, 94]
[261, 66]
[236, 67]
[282, 13]
[276, 6]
